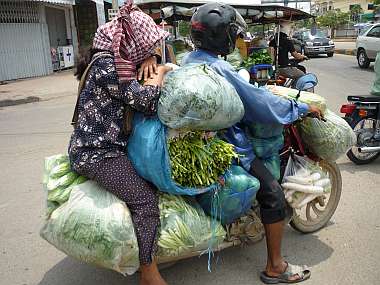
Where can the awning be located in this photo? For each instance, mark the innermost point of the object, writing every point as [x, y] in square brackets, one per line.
[61, 2]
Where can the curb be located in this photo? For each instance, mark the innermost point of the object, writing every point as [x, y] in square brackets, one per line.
[346, 51]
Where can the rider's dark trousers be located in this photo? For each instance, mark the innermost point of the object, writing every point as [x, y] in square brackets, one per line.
[270, 196]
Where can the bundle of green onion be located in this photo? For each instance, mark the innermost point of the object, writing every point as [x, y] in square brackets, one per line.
[197, 160]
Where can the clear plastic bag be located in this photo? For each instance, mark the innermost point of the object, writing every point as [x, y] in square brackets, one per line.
[94, 226]
[327, 139]
[304, 181]
[195, 97]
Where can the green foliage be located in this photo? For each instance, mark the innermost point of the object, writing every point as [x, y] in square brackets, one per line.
[333, 19]
[184, 28]
[259, 57]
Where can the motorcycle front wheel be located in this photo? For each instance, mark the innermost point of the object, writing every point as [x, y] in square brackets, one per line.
[317, 213]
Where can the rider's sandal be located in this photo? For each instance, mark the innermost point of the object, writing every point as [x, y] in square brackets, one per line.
[303, 272]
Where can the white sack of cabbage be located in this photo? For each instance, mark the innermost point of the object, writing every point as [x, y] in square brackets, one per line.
[330, 139]
[196, 97]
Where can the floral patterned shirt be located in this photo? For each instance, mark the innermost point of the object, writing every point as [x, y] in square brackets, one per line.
[99, 133]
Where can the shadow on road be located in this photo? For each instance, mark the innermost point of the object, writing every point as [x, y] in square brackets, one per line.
[350, 167]
[241, 263]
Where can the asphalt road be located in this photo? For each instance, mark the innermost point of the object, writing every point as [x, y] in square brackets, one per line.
[347, 251]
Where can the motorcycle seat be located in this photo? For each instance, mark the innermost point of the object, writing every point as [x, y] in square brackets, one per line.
[371, 99]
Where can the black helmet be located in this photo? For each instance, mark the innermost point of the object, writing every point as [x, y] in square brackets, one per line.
[216, 26]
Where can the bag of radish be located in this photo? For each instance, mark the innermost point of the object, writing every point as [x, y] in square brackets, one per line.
[304, 181]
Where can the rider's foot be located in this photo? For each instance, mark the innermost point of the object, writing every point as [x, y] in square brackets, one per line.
[150, 275]
[275, 271]
[155, 280]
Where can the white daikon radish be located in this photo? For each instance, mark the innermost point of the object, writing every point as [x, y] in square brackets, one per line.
[323, 182]
[307, 199]
[303, 188]
[304, 180]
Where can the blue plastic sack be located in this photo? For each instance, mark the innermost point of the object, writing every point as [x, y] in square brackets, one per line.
[267, 147]
[273, 164]
[232, 200]
[148, 152]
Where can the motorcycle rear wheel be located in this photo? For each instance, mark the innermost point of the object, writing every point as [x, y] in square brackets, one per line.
[314, 216]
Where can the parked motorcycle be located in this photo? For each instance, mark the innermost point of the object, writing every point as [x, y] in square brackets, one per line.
[362, 113]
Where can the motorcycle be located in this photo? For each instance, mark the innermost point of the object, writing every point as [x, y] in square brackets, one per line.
[310, 218]
[362, 115]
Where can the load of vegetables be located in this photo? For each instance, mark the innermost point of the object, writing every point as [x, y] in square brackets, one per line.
[258, 57]
[58, 181]
[94, 226]
[305, 97]
[185, 227]
[304, 181]
[327, 139]
[198, 160]
[195, 97]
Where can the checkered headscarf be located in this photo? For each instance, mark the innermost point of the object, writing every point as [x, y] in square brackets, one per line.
[132, 37]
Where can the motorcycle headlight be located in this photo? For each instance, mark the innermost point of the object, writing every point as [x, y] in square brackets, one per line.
[331, 42]
[309, 44]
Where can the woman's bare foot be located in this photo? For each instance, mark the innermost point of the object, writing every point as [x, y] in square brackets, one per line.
[150, 275]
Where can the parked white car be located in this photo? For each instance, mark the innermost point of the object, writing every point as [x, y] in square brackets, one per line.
[367, 45]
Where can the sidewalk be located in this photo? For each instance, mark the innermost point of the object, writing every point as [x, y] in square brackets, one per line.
[348, 48]
[23, 91]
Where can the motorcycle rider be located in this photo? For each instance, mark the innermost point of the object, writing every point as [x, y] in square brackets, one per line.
[214, 30]
[285, 47]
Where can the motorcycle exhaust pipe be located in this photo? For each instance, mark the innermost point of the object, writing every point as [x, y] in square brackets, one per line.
[369, 149]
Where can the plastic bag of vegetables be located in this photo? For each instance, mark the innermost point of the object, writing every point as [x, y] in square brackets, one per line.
[149, 154]
[305, 97]
[304, 181]
[195, 97]
[327, 139]
[94, 226]
[232, 200]
[58, 181]
[185, 227]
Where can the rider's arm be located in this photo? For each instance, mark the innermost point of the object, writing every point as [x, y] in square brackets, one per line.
[298, 56]
[261, 105]
[293, 52]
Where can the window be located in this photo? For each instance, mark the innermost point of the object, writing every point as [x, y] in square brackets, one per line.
[375, 32]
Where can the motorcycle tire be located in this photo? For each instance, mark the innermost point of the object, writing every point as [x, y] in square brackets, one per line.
[302, 219]
[351, 155]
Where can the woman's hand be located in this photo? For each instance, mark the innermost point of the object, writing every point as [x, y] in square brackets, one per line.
[315, 111]
[148, 68]
[159, 76]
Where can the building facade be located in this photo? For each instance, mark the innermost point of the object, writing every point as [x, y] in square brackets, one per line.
[322, 6]
[36, 37]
